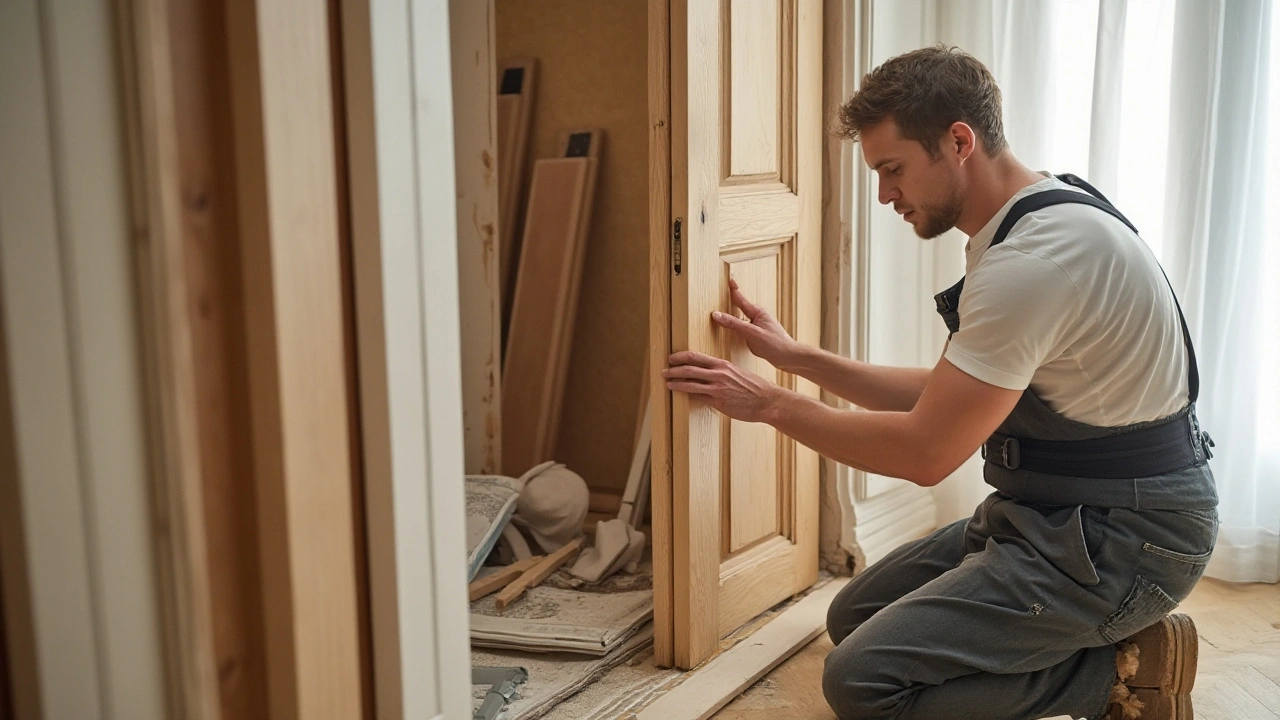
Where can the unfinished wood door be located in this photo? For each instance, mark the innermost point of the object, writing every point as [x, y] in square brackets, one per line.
[746, 123]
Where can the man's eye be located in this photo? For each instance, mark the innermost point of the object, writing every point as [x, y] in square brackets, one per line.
[895, 170]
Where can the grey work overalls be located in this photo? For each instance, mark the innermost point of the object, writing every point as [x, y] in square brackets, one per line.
[1013, 613]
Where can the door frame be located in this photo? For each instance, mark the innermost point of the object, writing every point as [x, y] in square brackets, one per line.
[260, 557]
[406, 259]
[82, 627]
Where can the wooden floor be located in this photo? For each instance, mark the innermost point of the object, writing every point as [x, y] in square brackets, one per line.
[1239, 677]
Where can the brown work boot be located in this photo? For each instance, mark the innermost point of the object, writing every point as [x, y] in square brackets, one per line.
[1156, 669]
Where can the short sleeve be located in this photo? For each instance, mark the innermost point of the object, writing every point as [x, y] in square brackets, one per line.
[1016, 311]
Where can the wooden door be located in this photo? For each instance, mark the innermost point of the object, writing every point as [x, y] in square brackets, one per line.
[746, 122]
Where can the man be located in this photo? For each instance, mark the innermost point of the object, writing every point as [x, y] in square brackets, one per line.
[1069, 364]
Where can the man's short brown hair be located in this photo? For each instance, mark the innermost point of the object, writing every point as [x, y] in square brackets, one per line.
[924, 92]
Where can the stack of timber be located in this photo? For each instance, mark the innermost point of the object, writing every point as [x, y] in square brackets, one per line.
[545, 303]
[517, 80]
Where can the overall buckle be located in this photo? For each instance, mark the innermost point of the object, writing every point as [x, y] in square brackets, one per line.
[1008, 455]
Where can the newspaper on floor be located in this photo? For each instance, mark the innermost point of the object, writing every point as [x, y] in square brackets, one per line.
[552, 619]
[491, 499]
[554, 677]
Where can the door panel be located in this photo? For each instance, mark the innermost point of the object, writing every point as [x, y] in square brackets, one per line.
[746, 188]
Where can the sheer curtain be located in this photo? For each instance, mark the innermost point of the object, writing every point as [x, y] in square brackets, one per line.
[1172, 109]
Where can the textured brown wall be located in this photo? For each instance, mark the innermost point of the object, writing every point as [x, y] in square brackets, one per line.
[592, 72]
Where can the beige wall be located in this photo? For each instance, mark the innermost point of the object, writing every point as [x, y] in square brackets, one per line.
[593, 73]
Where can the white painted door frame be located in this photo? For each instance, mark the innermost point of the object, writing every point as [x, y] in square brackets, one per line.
[77, 513]
[404, 229]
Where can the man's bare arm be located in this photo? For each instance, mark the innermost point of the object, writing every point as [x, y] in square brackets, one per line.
[954, 415]
[873, 387]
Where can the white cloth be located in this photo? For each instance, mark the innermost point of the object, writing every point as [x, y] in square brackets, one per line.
[552, 505]
[618, 546]
[1073, 304]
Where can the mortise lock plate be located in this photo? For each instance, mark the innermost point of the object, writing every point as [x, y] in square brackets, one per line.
[677, 245]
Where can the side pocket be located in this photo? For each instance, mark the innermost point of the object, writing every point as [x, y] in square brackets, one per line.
[1200, 559]
[1145, 605]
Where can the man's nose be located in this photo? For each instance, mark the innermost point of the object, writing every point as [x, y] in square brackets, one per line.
[888, 193]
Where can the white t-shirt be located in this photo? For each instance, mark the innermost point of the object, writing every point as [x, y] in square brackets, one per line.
[1075, 306]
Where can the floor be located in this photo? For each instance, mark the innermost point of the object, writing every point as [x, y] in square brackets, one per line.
[1238, 679]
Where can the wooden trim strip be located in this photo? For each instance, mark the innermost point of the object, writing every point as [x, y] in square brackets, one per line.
[500, 578]
[177, 477]
[539, 572]
[291, 264]
[727, 675]
[660, 227]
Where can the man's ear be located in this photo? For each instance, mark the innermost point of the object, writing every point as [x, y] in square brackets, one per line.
[961, 141]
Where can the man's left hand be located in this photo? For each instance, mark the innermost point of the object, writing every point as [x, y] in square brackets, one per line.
[740, 394]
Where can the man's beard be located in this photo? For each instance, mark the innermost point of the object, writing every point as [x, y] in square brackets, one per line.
[940, 218]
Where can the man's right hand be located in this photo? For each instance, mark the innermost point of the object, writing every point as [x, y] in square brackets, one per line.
[765, 336]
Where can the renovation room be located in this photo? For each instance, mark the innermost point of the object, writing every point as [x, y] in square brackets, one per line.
[335, 341]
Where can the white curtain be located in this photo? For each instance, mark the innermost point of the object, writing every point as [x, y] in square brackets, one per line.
[1172, 109]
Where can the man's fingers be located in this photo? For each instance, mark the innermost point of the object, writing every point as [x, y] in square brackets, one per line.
[689, 357]
[689, 372]
[732, 322]
[740, 300]
[692, 388]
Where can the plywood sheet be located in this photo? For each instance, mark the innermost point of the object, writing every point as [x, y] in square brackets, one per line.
[544, 310]
[592, 72]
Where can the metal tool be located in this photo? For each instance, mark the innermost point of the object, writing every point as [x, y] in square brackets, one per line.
[503, 682]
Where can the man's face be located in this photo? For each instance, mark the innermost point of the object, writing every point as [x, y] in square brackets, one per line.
[927, 193]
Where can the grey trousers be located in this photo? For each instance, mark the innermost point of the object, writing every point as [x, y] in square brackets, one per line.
[1010, 614]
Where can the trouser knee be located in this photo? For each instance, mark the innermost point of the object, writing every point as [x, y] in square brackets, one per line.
[852, 692]
[845, 614]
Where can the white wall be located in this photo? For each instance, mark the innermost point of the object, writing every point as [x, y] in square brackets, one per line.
[66, 270]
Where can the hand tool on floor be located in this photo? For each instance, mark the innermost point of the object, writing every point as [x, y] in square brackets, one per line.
[503, 682]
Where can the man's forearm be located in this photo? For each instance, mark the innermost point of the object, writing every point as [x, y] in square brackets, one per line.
[874, 387]
[885, 443]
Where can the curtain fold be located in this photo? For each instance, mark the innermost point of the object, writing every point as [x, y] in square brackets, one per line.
[1215, 234]
[1108, 95]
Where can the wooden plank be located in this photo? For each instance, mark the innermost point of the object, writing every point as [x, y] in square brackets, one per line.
[641, 452]
[291, 263]
[727, 675]
[535, 575]
[476, 143]
[643, 494]
[697, 429]
[183, 138]
[517, 84]
[545, 309]
[596, 74]
[661, 192]
[500, 579]
[637, 478]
